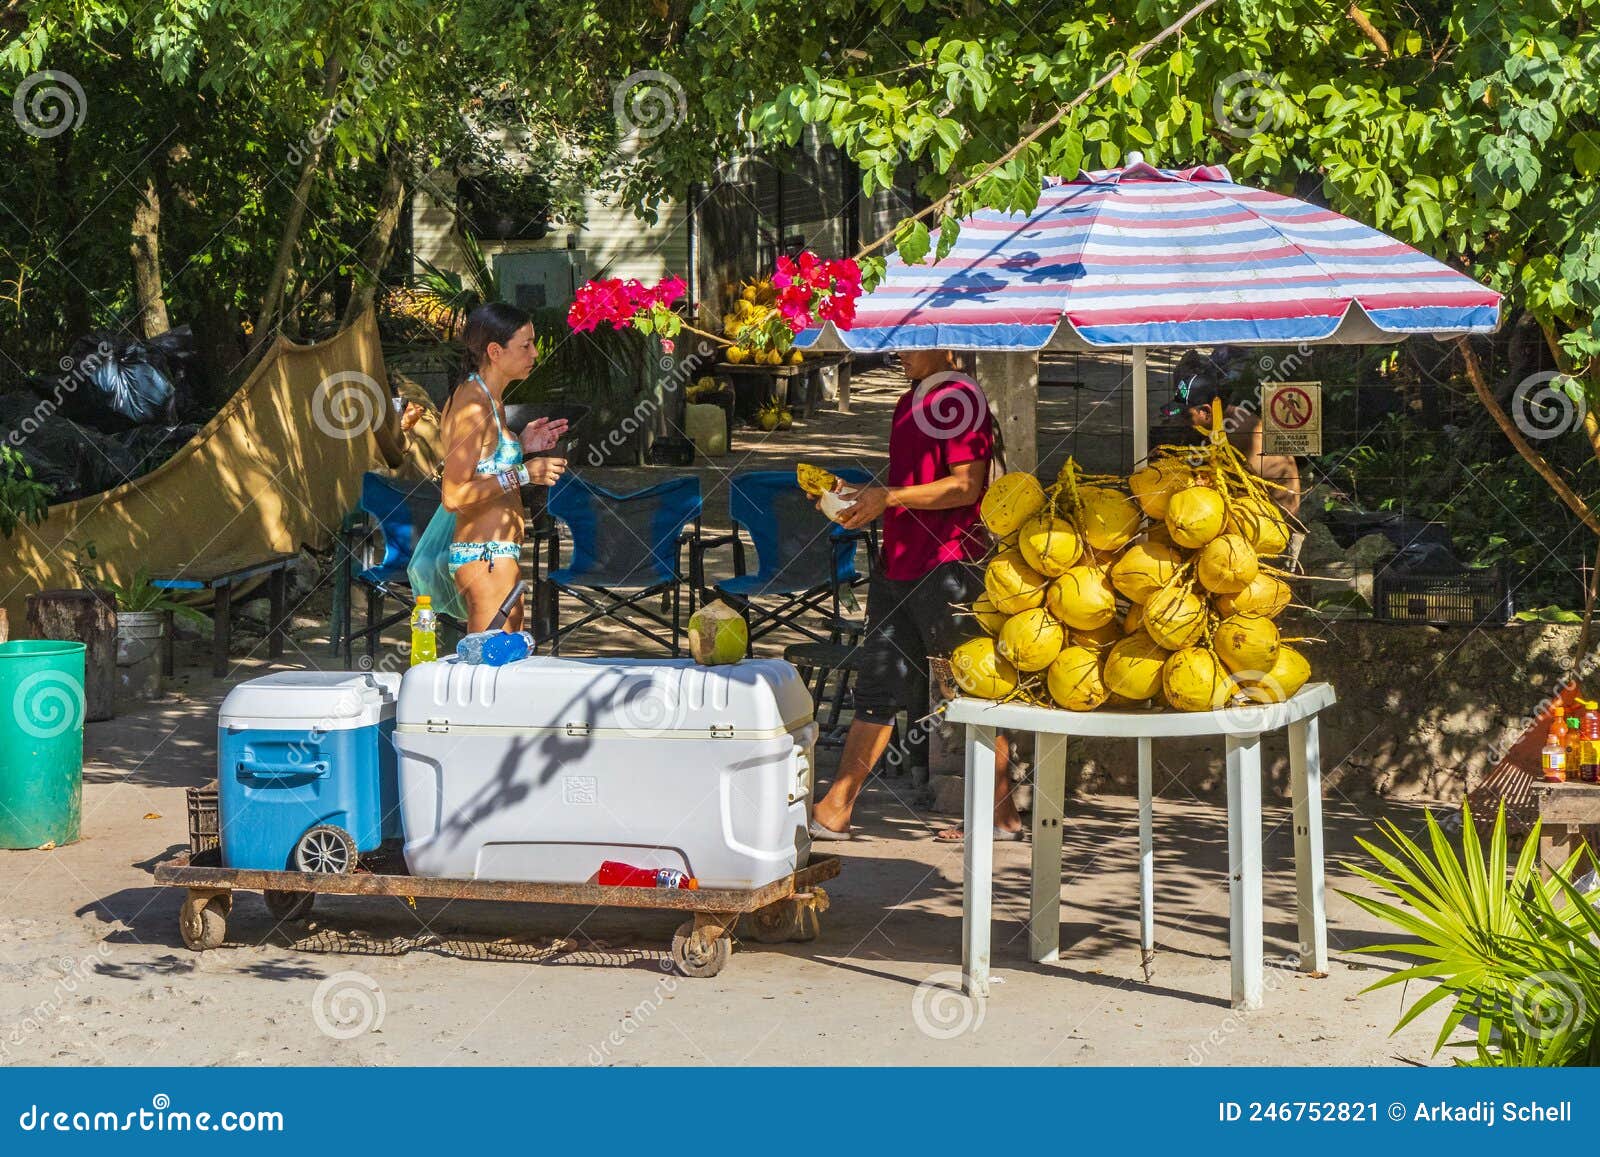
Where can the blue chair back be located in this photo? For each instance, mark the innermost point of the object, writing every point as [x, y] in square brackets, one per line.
[402, 511]
[623, 541]
[797, 547]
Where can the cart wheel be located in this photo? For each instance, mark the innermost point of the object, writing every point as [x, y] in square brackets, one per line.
[203, 923]
[775, 923]
[697, 954]
[286, 906]
[326, 850]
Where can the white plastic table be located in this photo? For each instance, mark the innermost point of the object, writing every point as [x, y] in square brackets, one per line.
[1242, 728]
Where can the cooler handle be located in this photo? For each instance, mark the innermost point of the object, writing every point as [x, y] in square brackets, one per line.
[258, 769]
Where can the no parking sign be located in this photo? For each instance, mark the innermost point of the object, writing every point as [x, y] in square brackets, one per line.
[1291, 418]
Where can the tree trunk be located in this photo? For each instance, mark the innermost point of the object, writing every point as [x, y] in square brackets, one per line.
[146, 253]
[272, 300]
[375, 252]
[90, 618]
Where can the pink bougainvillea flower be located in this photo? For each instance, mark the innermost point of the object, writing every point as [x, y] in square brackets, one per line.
[666, 345]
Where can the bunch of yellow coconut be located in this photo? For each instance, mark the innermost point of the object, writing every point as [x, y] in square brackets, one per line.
[1156, 593]
[755, 326]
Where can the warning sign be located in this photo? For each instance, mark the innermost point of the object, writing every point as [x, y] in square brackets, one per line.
[1291, 418]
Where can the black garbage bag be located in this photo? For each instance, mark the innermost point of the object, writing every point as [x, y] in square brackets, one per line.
[75, 461]
[180, 358]
[1424, 558]
[153, 445]
[112, 382]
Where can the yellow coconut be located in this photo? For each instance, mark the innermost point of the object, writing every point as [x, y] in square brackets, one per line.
[1144, 568]
[1010, 501]
[1289, 673]
[1157, 532]
[1260, 523]
[1082, 598]
[1012, 585]
[1155, 485]
[1100, 639]
[1226, 564]
[1133, 668]
[1031, 639]
[1266, 595]
[1075, 681]
[1194, 679]
[1175, 617]
[1049, 544]
[1248, 644]
[1195, 516]
[1134, 619]
[1108, 517]
[989, 619]
[980, 670]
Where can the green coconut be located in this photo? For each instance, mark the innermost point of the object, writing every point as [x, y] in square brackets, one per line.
[718, 635]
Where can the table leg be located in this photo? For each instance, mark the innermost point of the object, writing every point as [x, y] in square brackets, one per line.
[1147, 855]
[221, 630]
[278, 601]
[1244, 868]
[1305, 773]
[1049, 805]
[977, 882]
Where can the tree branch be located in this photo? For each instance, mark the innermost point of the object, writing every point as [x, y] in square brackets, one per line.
[1368, 29]
[1106, 78]
[1546, 471]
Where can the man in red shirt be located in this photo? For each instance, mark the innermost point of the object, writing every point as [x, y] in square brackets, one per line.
[941, 443]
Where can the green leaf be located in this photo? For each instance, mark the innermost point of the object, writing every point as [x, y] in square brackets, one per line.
[911, 241]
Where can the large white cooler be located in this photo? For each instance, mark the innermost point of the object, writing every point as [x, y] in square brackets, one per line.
[541, 769]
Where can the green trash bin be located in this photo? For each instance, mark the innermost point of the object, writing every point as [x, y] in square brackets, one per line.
[41, 742]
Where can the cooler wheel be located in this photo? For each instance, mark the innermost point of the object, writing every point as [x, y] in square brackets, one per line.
[326, 850]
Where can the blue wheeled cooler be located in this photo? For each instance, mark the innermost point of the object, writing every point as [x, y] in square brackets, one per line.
[306, 770]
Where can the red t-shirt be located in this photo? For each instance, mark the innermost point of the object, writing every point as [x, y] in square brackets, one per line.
[939, 423]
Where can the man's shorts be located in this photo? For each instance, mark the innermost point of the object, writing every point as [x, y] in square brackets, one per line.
[907, 623]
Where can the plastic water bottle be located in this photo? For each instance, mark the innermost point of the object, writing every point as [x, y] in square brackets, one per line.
[424, 632]
[494, 648]
[615, 874]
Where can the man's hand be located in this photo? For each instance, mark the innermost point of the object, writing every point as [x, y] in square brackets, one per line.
[869, 505]
[542, 434]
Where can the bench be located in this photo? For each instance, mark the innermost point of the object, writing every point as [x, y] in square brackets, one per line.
[1566, 812]
[223, 580]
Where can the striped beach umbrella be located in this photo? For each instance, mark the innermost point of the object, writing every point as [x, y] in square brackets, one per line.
[1137, 257]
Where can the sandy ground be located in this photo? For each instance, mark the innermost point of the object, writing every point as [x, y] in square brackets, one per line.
[92, 969]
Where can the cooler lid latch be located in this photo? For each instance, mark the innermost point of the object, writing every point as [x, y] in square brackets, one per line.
[438, 727]
[722, 731]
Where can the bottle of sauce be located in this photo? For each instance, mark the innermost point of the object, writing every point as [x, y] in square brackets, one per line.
[1553, 758]
[1589, 748]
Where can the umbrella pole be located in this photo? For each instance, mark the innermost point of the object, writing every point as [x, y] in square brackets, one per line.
[1141, 409]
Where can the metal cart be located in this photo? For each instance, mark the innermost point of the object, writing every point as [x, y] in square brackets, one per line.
[786, 909]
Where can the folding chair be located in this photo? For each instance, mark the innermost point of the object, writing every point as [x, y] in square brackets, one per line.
[626, 550]
[376, 542]
[803, 558]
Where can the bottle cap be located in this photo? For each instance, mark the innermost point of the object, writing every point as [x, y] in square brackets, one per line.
[424, 601]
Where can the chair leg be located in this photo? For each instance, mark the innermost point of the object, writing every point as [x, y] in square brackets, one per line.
[374, 617]
[221, 630]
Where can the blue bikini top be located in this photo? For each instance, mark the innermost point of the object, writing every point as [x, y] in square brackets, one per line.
[508, 450]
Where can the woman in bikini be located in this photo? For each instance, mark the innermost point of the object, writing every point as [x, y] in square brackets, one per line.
[486, 466]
